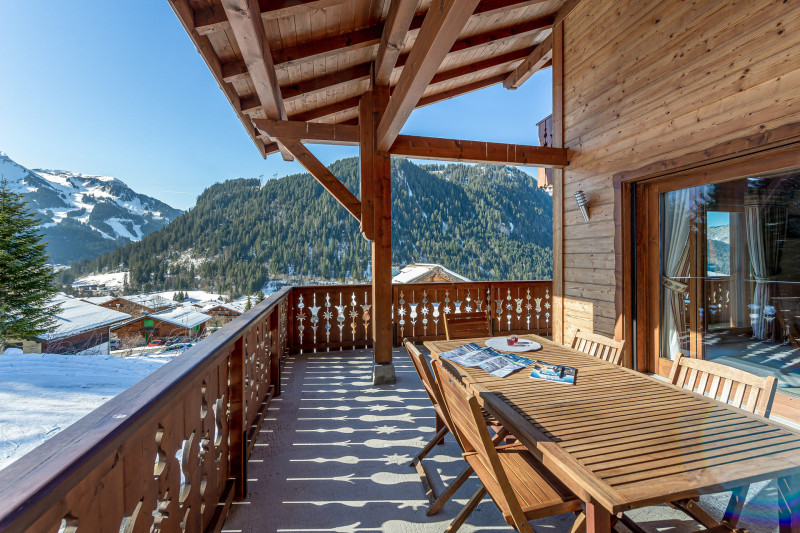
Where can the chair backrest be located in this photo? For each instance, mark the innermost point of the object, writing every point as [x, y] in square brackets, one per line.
[719, 382]
[428, 382]
[470, 429]
[598, 346]
[467, 325]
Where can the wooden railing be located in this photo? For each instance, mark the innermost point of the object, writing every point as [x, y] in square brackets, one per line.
[170, 453]
[515, 307]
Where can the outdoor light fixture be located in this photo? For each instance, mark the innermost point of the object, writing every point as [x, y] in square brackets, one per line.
[583, 203]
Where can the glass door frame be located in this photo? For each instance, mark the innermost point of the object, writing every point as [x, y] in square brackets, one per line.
[647, 245]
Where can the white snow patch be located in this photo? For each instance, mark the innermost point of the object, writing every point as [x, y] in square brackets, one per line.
[112, 280]
[41, 394]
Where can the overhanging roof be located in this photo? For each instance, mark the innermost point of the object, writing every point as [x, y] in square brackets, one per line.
[311, 60]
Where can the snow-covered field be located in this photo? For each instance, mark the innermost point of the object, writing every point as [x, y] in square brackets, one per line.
[113, 280]
[41, 394]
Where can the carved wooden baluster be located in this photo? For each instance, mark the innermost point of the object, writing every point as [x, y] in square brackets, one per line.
[401, 314]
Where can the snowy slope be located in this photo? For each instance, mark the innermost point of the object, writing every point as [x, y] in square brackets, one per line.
[41, 394]
[84, 215]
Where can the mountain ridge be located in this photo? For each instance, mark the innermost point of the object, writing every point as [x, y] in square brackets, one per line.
[85, 215]
[485, 222]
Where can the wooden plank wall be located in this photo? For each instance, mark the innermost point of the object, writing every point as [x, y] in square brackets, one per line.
[649, 81]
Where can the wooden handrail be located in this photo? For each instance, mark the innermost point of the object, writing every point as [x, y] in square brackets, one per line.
[56, 481]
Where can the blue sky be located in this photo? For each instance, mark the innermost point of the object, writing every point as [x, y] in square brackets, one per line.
[117, 88]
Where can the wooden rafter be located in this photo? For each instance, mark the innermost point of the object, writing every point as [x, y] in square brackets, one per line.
[401, 14]
[357, 74]
[308, 131]
[478, 152]
[437, 35]
[185, 16]
[213, 19]
[533, 63]
[324, 176]
[248, 28]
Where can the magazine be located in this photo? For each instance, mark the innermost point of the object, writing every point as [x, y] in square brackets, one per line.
[557, 373]
[497, 364]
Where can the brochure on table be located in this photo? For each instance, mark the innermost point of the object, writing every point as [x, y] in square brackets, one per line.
[557, 373]
[496, 363]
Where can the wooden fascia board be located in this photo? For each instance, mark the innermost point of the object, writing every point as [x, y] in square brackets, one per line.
[186, 17]
[533, 63]
[248, 28]
[398, 23]
[324, 176]
[478, 152]
[313, 132]
[439, 32]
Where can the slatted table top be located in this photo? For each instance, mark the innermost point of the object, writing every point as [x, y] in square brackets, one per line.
[625, 439]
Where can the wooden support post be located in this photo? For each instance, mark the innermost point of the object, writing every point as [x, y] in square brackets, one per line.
[598, 519]
[237, 427]
[366, 123]
[383, 372]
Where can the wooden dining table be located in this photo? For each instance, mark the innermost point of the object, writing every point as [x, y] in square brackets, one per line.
[620, 439]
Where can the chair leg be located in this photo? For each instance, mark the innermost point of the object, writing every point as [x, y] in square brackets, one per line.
[693, 509]
[734, 510]
[461, 517]
[428, 447]
[579, 526]
[449, 491]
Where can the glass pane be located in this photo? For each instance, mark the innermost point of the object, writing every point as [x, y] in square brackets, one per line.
[730, 275]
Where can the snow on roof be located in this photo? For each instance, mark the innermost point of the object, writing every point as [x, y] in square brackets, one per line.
[153, 301]
[233, 306]
[181, 316]
[77, 316]
[416, 271]
[97, 300]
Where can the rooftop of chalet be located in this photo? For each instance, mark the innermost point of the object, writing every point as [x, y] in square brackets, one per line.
[333, 455]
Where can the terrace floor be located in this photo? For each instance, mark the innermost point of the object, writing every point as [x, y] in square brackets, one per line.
[334, 450]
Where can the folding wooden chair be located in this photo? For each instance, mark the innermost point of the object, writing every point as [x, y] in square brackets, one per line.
[521, 487]
[598, 346]
[750, 393]
[444, 426]
[467, 325]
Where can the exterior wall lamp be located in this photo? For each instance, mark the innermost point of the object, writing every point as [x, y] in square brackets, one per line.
[583, 204]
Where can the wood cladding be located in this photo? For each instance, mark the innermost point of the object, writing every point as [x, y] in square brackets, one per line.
[646, 82]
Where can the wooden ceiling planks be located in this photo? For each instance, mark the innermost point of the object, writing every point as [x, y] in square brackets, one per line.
[322, 51]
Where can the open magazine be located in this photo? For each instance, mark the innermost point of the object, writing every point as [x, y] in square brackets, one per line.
[496, 363]
[557, 373]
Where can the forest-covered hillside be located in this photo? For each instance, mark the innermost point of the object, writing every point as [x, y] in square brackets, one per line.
[485, 222]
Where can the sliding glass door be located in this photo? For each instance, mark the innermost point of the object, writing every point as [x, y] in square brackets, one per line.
[723, 278]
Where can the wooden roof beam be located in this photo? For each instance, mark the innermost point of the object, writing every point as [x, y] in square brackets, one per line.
[184, 13]
[313, 132]
[213, 19]
[395, 30]
[436, 37]
[248, 28]
[478, 152]
[533, 63]
[324, 176]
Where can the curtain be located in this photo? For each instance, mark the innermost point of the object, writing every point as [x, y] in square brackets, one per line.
[740, 272]
[766, 219]
[675, 225]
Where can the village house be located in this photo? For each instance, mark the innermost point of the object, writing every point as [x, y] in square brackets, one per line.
[425, 273]
[138, 304]
[181, 322]
[79, 326]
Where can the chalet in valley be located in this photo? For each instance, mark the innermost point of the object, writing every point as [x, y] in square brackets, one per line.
[178, 322]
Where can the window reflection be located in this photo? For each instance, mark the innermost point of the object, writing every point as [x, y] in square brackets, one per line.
[730, 274]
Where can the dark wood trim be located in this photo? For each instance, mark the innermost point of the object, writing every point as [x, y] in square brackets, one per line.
[308, 131]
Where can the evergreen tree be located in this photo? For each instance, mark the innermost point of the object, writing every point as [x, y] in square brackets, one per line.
[26, 281]
[248, 305]
[260, 296]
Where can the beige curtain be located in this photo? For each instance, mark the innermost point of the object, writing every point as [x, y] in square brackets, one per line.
[676, 213]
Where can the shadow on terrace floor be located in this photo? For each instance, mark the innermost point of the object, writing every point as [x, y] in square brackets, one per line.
[333, 456]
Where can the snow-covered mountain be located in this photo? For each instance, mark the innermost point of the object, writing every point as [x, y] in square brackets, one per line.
[84, 215]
